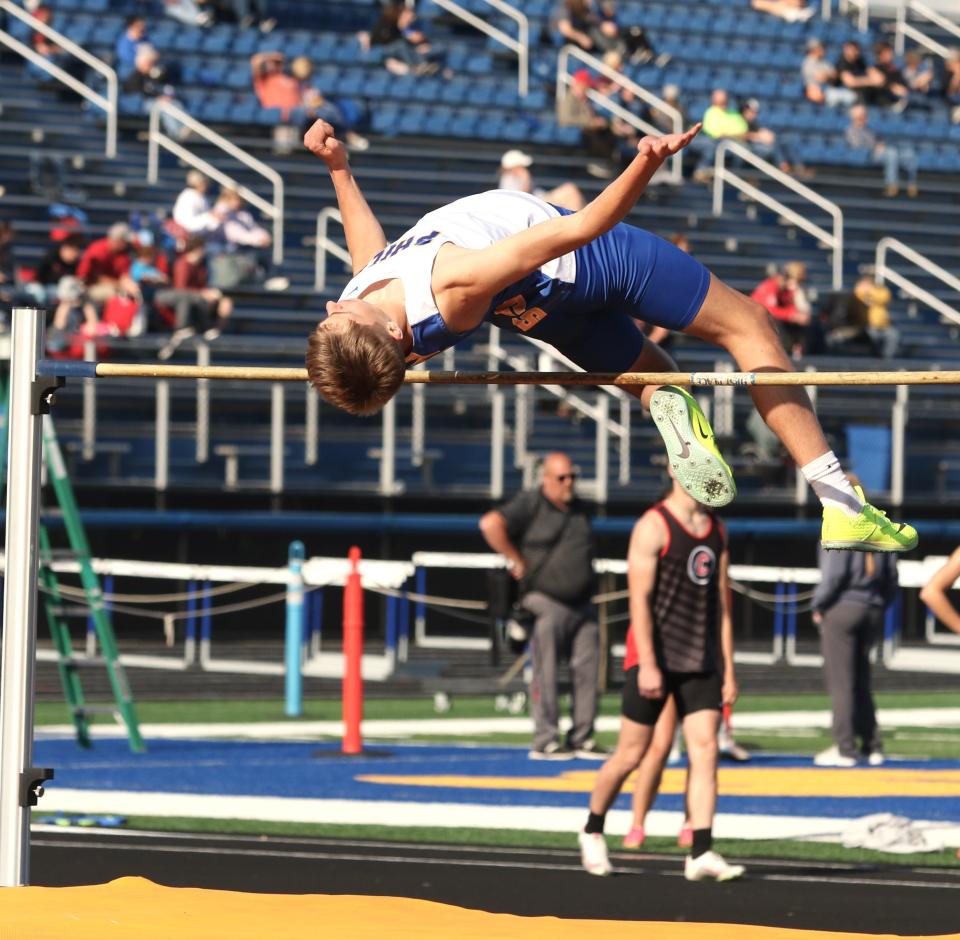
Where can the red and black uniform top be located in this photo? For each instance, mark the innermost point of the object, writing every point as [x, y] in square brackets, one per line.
[686, 599]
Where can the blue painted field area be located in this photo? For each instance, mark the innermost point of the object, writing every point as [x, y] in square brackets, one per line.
[494, 776]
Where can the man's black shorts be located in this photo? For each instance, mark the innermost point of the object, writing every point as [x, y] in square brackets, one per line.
[693, 692]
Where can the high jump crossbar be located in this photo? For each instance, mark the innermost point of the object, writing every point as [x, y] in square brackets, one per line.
[91, 370]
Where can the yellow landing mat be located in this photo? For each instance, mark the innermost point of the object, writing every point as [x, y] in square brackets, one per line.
[137, 909]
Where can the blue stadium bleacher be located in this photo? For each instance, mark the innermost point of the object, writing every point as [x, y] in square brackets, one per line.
[436, 138]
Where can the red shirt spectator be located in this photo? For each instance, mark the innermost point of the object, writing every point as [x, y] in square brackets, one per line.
[272, 86]
[107, 258]
[777, 298]
[189, 271]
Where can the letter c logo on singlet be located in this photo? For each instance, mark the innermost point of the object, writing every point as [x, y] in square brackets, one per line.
[701, 564]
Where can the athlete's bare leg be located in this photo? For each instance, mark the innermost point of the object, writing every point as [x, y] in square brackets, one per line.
[700, 733]
[650, 771]
[631, 746]
[743, 327]
[651, 359]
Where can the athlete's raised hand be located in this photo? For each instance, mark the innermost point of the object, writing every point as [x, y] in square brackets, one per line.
[320, 140]
[667, 145]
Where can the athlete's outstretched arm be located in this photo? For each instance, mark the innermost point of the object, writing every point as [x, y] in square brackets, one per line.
[469, 281]
[364, 235]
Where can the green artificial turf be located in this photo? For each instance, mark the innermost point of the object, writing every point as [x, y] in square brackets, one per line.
[252, 710]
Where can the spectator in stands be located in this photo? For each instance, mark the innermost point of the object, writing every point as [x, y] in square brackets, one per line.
[7, 272]
[721, 121]
[272, 85]
[151, 79]
[8, 293]
[891, 91]
[74, 320]
[546, 536]
[820, 79]
[934, 593]
[575, 21]
[793, 11]
[190, 12]
[663, 120]
[60, 261]
[47, 48]
[895, 158]
[763, 141]
[514, 174]
[606, 34]
[784, 299]
[574, 109]
[191, 211]
[237, 246]
[919, 77]
[343, 114]
[197, 306]
[129, 41]
[640, 49]
[854, 74]
[406, 47]
[848, 607]
[245, 13]
[149, 268]
[416, 38]
[876, 301]
[105, 265]
[951, 83]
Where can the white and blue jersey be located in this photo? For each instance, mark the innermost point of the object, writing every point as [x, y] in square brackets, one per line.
[583, 303]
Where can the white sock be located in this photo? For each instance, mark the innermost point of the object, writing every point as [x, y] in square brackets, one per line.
[831, 485]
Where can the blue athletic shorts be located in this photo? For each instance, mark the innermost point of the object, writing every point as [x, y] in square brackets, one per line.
[629, 274]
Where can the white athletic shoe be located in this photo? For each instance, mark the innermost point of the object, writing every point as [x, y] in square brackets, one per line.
[711, 866]
[593, 853]
[876, 758]
[832, 757]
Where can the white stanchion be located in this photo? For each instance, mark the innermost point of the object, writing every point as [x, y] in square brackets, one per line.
[19, 781]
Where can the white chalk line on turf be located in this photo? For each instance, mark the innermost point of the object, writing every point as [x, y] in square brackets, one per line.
[445, 815]
[389, 728]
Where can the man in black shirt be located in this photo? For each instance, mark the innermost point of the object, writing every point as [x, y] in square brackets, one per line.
[547, 538]
[853, 73]
[892, 91]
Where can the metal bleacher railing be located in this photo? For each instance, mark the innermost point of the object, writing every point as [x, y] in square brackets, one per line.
[903, 29]
[326, 244]
[520, 45]
[107, 103]
[883, 272]
[724, 174]
[675, 172]
[907, 30]
[274, 209]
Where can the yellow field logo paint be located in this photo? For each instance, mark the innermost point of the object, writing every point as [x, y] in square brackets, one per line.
[734, 781]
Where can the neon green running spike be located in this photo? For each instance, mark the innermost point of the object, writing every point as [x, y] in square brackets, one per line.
[868, 531]
[691, 448]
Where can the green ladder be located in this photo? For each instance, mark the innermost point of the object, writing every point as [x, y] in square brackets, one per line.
[57, 611]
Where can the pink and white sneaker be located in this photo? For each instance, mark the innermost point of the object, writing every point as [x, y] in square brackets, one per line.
[634, 838]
